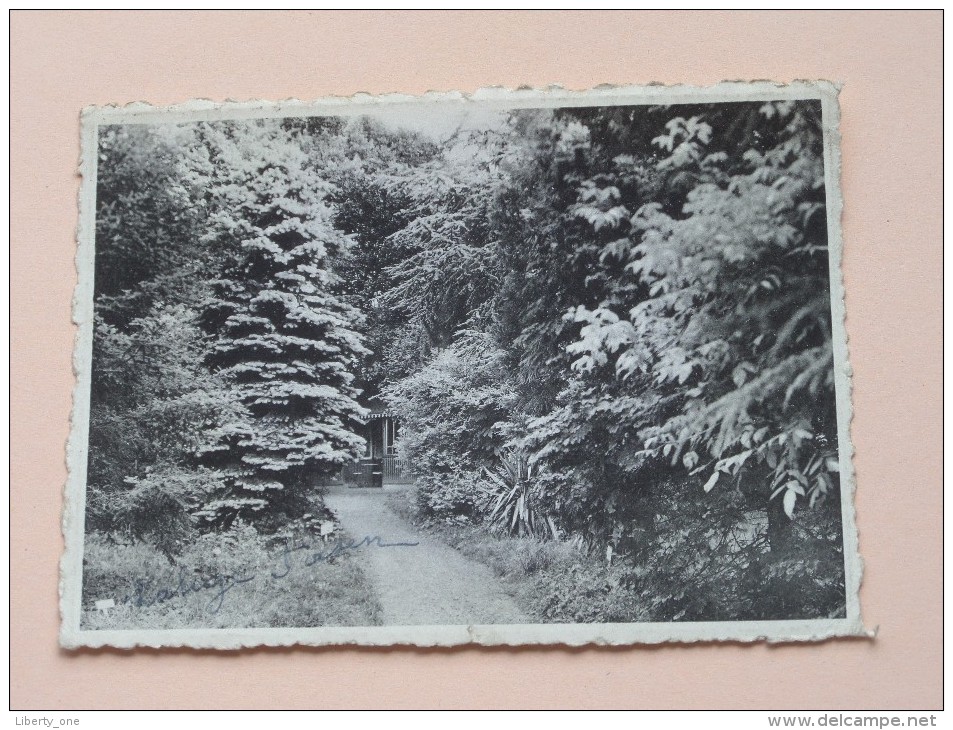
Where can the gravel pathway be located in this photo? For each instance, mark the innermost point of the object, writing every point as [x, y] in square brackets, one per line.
[428, 583]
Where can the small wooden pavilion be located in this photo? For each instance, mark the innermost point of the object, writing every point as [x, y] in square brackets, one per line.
[381, 463]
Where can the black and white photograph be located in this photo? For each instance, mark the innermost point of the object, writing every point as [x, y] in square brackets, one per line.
[516, 367]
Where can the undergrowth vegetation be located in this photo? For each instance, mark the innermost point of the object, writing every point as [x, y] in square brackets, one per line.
[235, 579]
[553, 581]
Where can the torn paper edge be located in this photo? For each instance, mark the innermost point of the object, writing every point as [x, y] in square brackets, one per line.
[70, 588]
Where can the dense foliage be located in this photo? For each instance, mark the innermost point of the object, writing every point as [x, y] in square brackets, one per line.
[605, 327]
[153, 403]
[660, 328]
[223, 354]
[281, 334]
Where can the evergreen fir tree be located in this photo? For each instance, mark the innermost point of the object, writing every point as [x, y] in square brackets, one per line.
[281, 334]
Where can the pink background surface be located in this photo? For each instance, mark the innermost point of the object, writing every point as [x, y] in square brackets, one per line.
[890, 64]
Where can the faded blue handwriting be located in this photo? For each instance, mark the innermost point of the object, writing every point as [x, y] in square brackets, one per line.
[148, 592]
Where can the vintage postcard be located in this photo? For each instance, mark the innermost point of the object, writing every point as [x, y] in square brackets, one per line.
[513, 367]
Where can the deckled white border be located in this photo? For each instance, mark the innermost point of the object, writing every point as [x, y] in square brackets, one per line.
[71, 636]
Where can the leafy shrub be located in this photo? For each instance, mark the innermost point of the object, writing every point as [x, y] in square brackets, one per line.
[586, 593]
[451, 496]
[153, 405]
[455, 411]
[453, 407]
[158, 507]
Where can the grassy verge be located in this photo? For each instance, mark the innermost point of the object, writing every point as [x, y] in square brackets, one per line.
[552, 581]
[233, 581]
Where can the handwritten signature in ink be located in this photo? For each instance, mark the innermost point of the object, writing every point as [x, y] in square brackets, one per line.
[304, 553]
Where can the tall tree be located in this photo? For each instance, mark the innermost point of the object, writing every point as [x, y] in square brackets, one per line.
[283, 336]
[147, 225]
[372, 205]
[451, 271]
[716, 333]
[152, 400]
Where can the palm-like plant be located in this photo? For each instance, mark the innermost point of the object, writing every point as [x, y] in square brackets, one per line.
[513, 506]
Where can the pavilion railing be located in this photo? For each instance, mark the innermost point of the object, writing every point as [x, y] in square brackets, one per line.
[395, 471]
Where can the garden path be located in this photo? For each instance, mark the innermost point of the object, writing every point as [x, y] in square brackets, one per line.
[427, 583]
